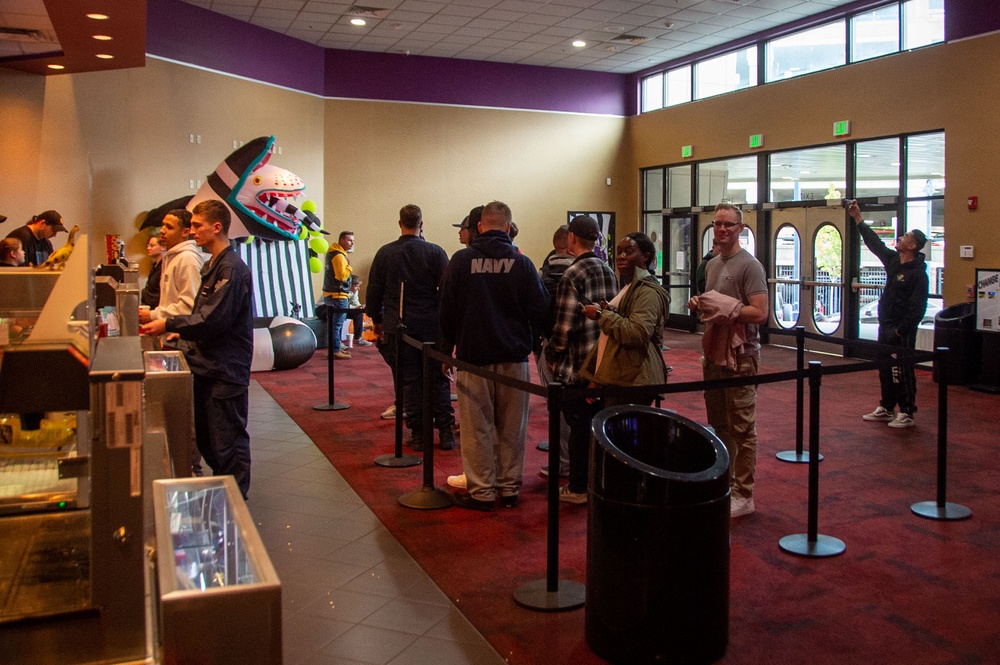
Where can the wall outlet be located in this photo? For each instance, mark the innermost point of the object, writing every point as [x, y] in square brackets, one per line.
[966, 252]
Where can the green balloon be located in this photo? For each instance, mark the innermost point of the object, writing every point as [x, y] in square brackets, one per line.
[303, 232]
[315, 265]
[308, 206]
[319, 245]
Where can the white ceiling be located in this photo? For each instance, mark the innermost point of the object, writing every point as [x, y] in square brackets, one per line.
[623, 36]
[17, 16]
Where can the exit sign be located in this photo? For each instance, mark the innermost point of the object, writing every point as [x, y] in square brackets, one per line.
[756, 140]
[687, 151]
[842, 128]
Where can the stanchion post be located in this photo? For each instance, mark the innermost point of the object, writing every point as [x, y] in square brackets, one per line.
[427, 497]
[941, 509]
[331, 404]
[552, 594]
[398, 459]
[798, 456]
[812, 544]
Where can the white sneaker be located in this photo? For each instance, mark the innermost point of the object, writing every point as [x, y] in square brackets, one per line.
[458, 482]
[878, 415]
[389, 414]
[902, 420]
[569, 496]
[738, 506]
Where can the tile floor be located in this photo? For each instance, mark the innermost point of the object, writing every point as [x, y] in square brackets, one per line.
[350, 592]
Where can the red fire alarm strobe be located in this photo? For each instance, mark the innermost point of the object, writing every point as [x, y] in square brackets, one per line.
[973, 202]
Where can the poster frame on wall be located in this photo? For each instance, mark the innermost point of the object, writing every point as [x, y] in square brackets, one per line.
[605, 246]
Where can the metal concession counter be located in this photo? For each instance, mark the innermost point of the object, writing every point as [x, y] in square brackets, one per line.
[87, 425]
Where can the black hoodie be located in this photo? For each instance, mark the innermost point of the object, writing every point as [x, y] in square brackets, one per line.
[491, 299]
[904, 300]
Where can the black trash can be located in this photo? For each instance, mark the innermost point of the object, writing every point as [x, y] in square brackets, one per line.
[657, 539]
[955, 327]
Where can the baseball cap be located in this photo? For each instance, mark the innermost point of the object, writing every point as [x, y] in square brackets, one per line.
[475, 215]
[464, 224]
[584, 227]
[919, 238]
[52, 218]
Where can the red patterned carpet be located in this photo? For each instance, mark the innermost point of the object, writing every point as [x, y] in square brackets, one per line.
[907, 589]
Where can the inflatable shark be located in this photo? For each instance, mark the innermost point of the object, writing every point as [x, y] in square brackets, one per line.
[259, 195]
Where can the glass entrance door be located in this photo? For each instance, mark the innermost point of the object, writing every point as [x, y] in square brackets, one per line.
[807, 271]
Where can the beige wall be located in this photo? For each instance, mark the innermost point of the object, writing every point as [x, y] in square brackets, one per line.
[950, 87]
[130, 129]
[447, 160]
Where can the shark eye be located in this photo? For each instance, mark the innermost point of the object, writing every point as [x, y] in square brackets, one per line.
[257, 180]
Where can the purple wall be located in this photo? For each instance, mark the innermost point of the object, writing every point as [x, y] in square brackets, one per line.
[190, 34]
[396, 77]
[968, 18]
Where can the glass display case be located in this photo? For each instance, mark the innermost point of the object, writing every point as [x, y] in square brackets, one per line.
[220, 599]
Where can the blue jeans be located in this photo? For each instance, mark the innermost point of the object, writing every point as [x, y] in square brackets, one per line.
[336, 321]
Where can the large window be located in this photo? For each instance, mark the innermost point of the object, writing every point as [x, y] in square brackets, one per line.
[728, 181]
[813, 174]
[725, 73]
[925, 200]
[876, 167]
[806, 52]
[873, 32]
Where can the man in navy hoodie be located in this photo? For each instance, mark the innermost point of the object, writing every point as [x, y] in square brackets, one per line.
[492, 302]
[900, 310]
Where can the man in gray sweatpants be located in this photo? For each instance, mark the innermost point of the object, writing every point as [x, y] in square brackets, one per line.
[492, 302]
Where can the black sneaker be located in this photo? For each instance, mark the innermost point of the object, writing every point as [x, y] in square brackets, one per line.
[466, 501]
[510, 501]
[415, 443]
[447, 438]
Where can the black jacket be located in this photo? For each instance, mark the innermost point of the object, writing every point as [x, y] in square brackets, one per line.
[491, 297]
[421, 265]
[219, 330]
[904, 300]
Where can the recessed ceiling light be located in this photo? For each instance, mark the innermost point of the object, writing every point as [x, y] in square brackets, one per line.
[358, 21]
[102, 38]
[56, 67]
[98, 17]
[105, 56]
[579, 43]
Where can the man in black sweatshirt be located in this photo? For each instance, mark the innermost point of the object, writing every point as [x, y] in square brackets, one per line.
[900, 310]
[492, 301]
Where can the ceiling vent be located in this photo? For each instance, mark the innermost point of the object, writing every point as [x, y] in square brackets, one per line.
[367, 12]
[635, 40]
[23, 35]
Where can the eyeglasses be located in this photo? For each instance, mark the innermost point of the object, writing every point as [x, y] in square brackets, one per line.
[725, 225]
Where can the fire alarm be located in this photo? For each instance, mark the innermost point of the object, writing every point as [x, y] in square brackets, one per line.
[973, 202]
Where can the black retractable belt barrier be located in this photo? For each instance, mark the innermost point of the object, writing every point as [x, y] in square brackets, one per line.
[941, 509]
[657, 539]
[812, 544]
[398, 459]
[552, 594]
[798, 456]
[427, 497]
[332, 404]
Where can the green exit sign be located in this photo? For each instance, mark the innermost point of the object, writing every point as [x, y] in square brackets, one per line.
[756, 140]
[687, 151]
[842, 128]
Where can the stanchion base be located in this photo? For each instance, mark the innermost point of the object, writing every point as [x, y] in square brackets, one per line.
[402, 460]
[426, 498]
[949, 511]
[535, 596]
[824, 546]
[543, 446]
[336, 406]
[795, 457]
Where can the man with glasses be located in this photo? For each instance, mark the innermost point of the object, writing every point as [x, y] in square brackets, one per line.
[732, 307]
[900, 310]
